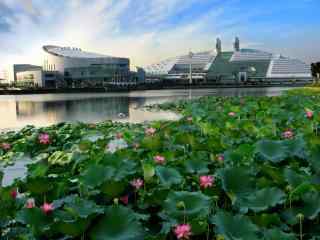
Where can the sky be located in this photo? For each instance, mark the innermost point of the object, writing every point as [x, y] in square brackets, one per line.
[148, 31]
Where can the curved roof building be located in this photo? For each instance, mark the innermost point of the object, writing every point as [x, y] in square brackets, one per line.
[232, 66]
[59, 58]
[200, 62]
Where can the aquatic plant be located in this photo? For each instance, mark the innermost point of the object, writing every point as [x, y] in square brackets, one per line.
[211, 175]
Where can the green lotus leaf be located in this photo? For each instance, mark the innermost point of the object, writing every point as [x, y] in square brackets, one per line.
[148, 171]
[261, 200]
[70, 225]
[39, 185]
[266, 220]
[122, 167]
[81, 208]
[189, 204]
[233, 227]
[119, 223]
[95, 175]
[168, 176]
[113, 188]
[60, 158]
[35, 218]
[153, 142]
[297, 148]
[314, 160]
[274, 151]
[236, 181]
[195, 165]
[310, 208]
[294, 178]
[276, 234]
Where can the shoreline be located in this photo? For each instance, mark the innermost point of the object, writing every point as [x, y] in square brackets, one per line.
[139, 88]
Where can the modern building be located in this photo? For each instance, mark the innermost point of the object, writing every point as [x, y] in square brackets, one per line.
[31, 78]
[85, 69]
[231, 67]
[12, 71]
[178, 69]
[244, 65]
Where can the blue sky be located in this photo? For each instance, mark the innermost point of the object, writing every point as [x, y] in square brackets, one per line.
[151, 30]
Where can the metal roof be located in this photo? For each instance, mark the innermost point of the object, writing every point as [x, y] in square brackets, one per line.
[72, 52]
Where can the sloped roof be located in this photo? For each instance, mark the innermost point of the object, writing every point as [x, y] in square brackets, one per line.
[72, 52]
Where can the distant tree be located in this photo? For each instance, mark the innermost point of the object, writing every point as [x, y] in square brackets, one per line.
[315, 70]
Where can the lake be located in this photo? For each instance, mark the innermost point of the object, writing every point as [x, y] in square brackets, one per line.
[17, 111]
[45, 109]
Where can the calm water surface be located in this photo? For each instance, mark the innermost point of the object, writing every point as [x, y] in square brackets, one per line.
[16, 111]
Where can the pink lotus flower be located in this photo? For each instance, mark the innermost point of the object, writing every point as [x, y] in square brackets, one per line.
[47, 208]
[288, 134]
[5, 146]
[14, 193]
[30, 203]
[206, 181]
[125, 199]
[232, 114]
[137, 183]
[220, 158]
[150, 131]
[44, 138]
[159, 159]
[183, 231]
[309, 114]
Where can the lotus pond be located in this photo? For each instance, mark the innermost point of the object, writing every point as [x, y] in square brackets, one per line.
[232, 168]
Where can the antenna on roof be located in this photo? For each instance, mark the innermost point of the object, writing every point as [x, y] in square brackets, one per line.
[218, 46]
[237, 45]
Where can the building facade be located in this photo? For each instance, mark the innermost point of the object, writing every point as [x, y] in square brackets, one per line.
[84, 69]
[239, 66]
[250, 65]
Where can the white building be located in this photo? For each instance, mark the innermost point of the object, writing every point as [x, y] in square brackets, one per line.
[86, 69]
[30, 78]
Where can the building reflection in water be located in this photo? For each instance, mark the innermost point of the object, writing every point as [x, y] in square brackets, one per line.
[46, 109]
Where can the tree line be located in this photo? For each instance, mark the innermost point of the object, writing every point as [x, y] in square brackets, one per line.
[315, 70]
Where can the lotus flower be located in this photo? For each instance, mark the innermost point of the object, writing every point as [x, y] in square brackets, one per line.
[125, 199]
[44, 138]
[30, 203]
[137, 183]
[189, 119]
[159, 159]
[14, 193]
[309, 114]
[150, 131]
[183, 231]
[288, 134]
[206, 181]
[115, 145]
[232, 114]
[220, 158]
[47, 208]
[5, 146]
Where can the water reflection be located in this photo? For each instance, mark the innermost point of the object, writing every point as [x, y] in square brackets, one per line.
[46, 109]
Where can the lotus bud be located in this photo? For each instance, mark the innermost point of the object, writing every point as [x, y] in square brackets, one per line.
[300, 216]
[181, 205]
[220, 237]
[289, 188]
[116, 201]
